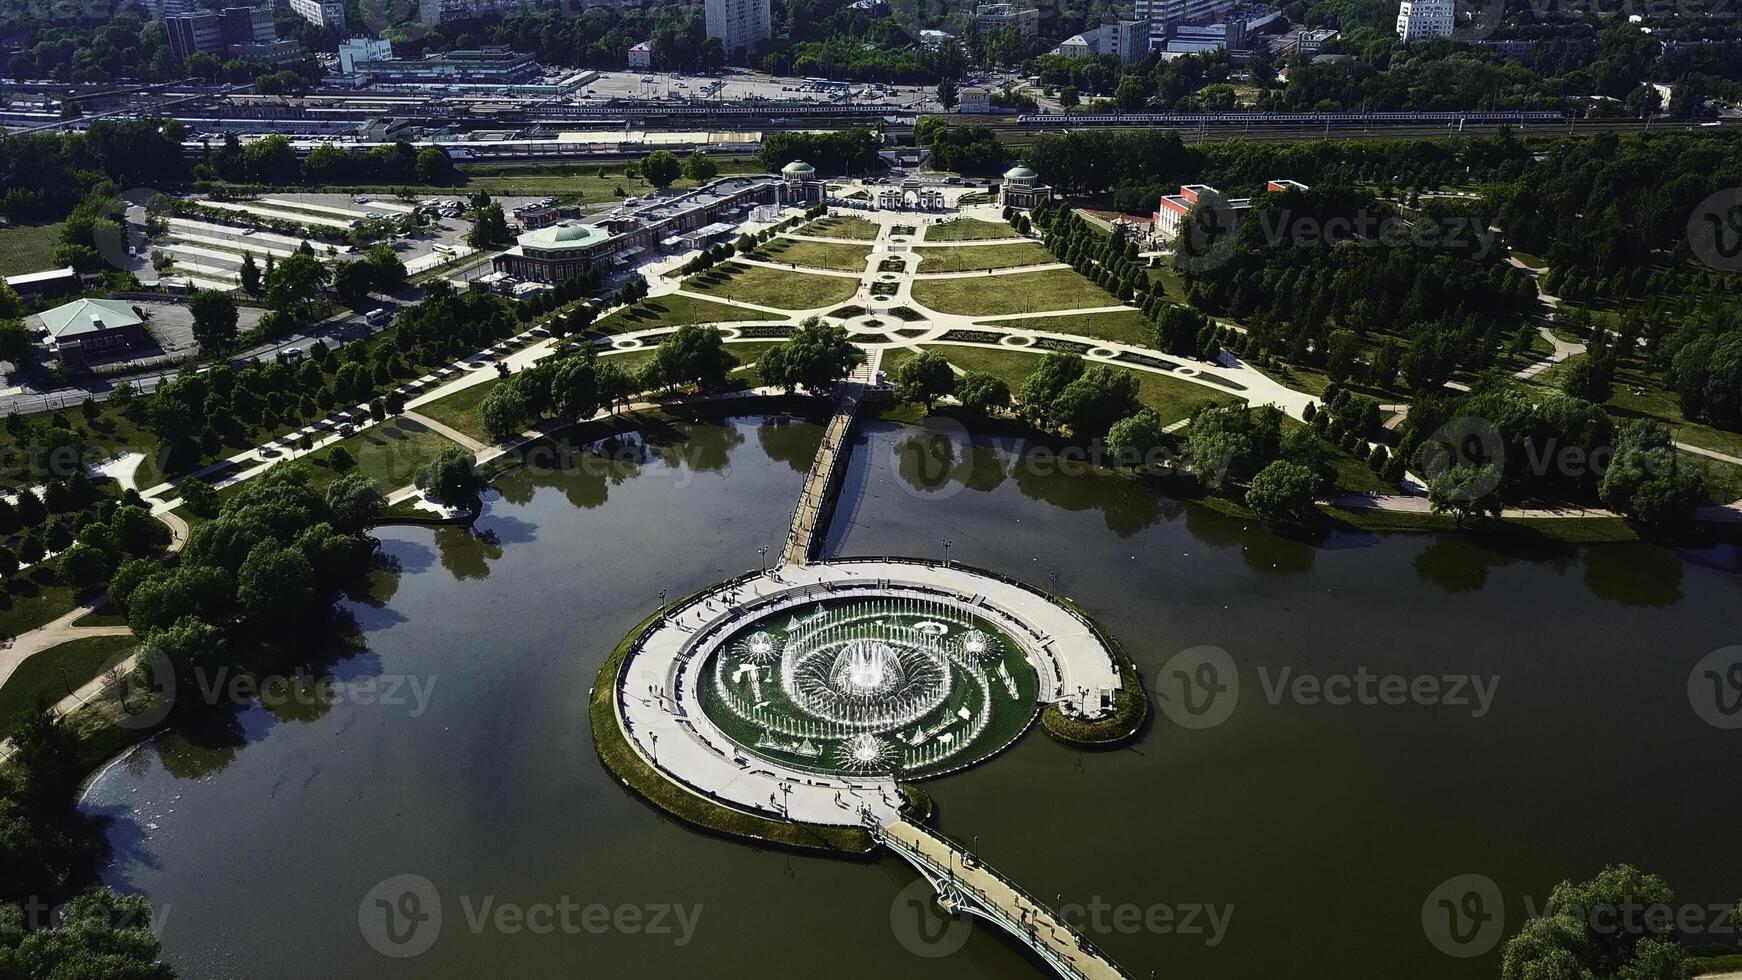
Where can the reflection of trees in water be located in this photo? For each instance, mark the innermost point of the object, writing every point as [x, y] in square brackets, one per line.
[1641, 575]
[705, 447]
[1263, 549]
[466, 554]
[789, 441]
[1126, 505]
[1456, 564]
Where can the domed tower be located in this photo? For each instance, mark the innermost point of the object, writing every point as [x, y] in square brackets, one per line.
[801, 186]
[1022, 189]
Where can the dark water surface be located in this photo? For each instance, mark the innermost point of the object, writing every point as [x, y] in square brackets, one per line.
[1316, 831]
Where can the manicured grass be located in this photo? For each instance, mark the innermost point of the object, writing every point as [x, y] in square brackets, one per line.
[774, 287]
[1125, 327]
[1022, 292]
[46, 677]
[27, 248]
[460, 409]
[842, 226]
[969, 229]
[817, 255]
[966, 258]
[31, 598]
[389, 453]
[1172, 398]
[674, 311]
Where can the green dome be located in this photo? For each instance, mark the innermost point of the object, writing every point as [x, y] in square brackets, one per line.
[571, 233]
[1020, 173]
[798, 168]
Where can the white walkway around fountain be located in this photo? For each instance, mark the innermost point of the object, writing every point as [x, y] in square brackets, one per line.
[658, 700]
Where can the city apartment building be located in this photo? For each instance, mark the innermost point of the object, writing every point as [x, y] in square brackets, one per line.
[641, 55]
[321, 13]
[360, 51]
[1127, 40]
[1418, 20]
[739, 24]
[1182, 11]
[996, 16]
[241, 32]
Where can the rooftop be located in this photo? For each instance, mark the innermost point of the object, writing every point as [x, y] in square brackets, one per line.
[567, 234]
[87, 316]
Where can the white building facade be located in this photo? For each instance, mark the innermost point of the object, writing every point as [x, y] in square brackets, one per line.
[1418, 20]
[738, 23]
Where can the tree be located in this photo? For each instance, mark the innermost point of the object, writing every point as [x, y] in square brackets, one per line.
[250, 275]
[451, 478]
[1591, 378]
[661, 167]
[982, 393]
[489, 226]
[503, 411]
[99, 934]
[340, 460]
[85, 567]
[695, 353]
[1282, 493]
[700, 168]
[215, 320]
[1091, 404]
[352, 281]
[925, 377]
[947, 93]
[276, 585]
[817, 355]
[16, 342]
[435, 166]
[1465, 492]
[1599, 929]
[1133, 440]
[386, 271]
[355, 502]
[296, 283]
[1645, 479]
[1045, 384]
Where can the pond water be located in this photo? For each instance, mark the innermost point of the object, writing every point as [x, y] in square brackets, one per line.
[1314, 832]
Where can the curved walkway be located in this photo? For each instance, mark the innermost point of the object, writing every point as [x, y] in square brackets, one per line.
[659, 707]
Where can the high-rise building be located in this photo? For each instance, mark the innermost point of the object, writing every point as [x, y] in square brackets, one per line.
[995, 16]
[200, 33]
[738, 23]
[1127, 40]
[1182, 11]
[321, 13]
[1418, 20]
[246, 25]
[361, 51]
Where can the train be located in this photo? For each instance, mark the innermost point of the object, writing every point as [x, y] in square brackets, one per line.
[1520, 116]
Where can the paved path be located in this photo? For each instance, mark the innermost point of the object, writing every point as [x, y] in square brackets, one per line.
[658, 700]
[49, 635]
[801, 537]
[444, 429]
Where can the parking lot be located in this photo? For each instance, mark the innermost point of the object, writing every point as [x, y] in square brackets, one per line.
[742, 86]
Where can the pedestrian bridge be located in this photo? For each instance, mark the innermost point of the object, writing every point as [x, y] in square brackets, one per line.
[807, 517]
[965, 883]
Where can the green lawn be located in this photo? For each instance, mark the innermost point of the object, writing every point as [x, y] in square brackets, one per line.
[842, 226]
[774, 287]
[969, 229]
[389, 454]
[460, 409]
[27, 248]
[54, 673]
[1125, 327]
[1172, 398]
[32, 598]
[818, 255]
[966, 258]
[1022, 292]
[673, 310]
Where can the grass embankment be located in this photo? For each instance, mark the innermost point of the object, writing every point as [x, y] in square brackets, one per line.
[673, 310]
[1124, 327]
[974, 258]
[28, 248]
[46, 677]
[969, 230]
[842, 226]
[642, 779]
[1172, 398]
[773, 287]
[1130, 702]
[1021, 292]
[389, 453]
[816, 255]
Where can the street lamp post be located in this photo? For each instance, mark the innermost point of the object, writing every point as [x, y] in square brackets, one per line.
[762, 555]
[947, 543]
